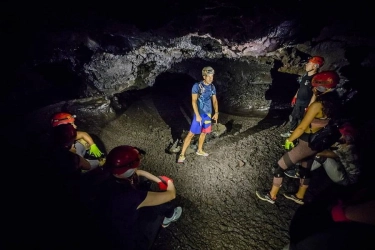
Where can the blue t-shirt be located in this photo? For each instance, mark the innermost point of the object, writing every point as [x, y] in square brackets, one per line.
[205, 92]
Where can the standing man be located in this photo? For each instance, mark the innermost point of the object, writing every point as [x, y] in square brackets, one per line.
[203, 96]
[304, 95]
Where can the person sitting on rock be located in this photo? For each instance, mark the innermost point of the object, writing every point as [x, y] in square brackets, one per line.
[130, 216]
[84, 145]
[63, 162]
[342, 162]
[326, 107]
[335, 221]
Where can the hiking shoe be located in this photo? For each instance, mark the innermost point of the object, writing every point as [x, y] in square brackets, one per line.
[294, 198]
[176, 215]
[265, 196]
[286, 135]
[181, 159]
[202, 153]
[292, 173]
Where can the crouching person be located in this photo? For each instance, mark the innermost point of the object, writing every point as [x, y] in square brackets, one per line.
[130, 217]
[341, 162]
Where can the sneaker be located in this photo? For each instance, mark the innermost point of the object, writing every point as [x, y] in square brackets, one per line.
[294, 198]
[265, 196]
[181, 159]
[292, 173]
[286, 135]
[176, 215]
[202, 153]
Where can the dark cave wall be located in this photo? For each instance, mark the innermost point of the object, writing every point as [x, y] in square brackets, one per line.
[88, 54]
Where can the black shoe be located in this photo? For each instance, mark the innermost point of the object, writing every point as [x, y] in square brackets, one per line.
[265, 196]
[292, 173]
[294, 198]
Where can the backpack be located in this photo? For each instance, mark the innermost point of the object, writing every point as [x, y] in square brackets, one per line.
[325, 137]
[202, 89]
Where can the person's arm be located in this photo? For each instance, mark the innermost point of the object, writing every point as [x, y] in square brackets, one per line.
[84, 164]
[93, 149]
[363, 212]
[311, 113]
[194, 103]
[81, 162]
[295, 96]
[328, 154]
[216, 108]
[157, 198]
[85, 136]
[147, 175]
[313, 99]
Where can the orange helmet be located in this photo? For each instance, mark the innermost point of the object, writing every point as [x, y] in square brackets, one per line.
[64, 135]
[123, 159]
[62, 118]
[317, 60]
[326, 79]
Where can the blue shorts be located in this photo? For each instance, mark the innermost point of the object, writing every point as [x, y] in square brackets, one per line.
[203, 127]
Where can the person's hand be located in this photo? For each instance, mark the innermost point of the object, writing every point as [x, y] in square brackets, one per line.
[215, 116]
[338, 213]
[293, 101]
[163, 183]
[199, 119]
[288, 144]
[94, 150]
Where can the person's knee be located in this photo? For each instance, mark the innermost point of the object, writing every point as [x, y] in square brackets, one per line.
[189, 136]
[278, 172]
[320, 159]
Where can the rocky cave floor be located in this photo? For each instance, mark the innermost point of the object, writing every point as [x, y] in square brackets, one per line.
[217, 193]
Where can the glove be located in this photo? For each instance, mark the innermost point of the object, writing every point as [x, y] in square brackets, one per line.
[94, 150]
[293, 101]
[338, 214]
[288, 145]
[163, 183]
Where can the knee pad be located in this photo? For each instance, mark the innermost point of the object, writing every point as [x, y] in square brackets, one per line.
[304, 173]
[320, 159]
[278, 172]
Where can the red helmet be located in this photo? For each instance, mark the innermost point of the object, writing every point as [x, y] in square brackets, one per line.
[317, 60]
[62, 118]
[64, 135]
[348, 132]
[123, 159]
[327, 79]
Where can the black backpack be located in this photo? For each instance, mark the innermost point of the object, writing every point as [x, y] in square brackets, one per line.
[325, 137]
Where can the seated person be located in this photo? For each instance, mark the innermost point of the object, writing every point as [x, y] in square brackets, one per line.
[64, 163]
[341, 163]
[84, 144]
[130, 217]
[340, 222]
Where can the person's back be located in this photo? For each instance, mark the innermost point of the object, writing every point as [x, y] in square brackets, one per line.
[128, 215]
[117, 206]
